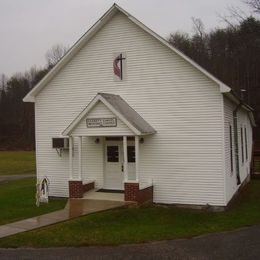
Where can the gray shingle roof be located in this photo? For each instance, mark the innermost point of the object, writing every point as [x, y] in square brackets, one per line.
[128, 113]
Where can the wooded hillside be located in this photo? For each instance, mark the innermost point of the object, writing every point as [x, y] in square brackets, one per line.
[17, 117]
[231, 54]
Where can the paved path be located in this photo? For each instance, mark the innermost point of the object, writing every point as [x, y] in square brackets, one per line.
[15, 177]
[238, 244]
[73, 209]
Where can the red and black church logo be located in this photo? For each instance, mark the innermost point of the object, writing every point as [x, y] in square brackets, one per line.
[119, 66]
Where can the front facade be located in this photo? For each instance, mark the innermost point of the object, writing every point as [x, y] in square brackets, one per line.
[159, 126]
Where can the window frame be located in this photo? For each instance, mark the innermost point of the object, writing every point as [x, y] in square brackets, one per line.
[246, 148]
[242, 145]
[231, 148]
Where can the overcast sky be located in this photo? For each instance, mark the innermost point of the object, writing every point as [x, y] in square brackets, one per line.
[28, 28]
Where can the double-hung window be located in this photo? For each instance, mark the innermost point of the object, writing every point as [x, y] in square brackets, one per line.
[231, 148]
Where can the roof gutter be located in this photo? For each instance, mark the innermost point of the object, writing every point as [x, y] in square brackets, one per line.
[235, 98]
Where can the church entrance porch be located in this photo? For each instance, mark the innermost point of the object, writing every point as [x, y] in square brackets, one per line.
[121, 157]
[104, 143]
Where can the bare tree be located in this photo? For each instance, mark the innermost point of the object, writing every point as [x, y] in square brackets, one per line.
[254, 4]
[55, 54]
[234, 17]
[198, 27]
[3, 82]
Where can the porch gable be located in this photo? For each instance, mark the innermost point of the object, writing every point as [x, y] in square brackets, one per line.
[91, 123]
[114, 108]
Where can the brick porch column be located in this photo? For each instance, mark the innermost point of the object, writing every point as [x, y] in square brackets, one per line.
[131, 191]
[134, 193]
[76, 189]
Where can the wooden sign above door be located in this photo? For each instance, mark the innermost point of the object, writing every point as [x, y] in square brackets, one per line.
[101, 122]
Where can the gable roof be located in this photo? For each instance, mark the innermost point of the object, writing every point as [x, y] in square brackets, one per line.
[30, 97]
[239, 102]
[119, 108]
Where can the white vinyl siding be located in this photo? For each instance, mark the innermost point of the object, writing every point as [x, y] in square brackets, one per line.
[92, 163]
[101, 111]
[244, 168]
[183, 159]
[243, 120]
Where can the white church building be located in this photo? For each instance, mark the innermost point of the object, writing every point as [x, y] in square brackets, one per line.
[125, 111]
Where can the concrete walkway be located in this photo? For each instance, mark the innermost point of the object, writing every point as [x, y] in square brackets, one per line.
[16, 177]
[95, 195]
[74, 208]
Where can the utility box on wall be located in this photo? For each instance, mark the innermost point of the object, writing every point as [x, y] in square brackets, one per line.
[60, 143]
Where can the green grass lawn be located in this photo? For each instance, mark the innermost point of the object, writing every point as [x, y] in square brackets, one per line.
[17, 201]
[135, 225]
[17, 162]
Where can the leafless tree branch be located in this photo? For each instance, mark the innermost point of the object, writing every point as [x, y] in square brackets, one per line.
[254, 4]
[55, 54]
[198, 27]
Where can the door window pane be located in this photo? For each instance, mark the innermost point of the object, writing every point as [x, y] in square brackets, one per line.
[112, 154]
[131, 153]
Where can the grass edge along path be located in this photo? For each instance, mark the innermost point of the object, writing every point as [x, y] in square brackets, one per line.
[17, 201]
[145, 224]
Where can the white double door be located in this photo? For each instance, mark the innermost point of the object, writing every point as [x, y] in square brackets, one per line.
[114, 164]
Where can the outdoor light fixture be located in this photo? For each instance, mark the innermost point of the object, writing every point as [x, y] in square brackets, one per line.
[141, 140]
[97, 140]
